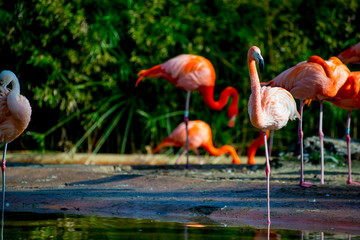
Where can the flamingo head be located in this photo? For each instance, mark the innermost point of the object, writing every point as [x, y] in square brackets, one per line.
[256, 55]
[6, 77]
[232, 115]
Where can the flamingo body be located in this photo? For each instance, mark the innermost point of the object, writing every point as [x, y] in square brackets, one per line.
[315, 79]
[200, 136]
[277, 106]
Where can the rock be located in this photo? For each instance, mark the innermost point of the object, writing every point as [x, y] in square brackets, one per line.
[332, 146]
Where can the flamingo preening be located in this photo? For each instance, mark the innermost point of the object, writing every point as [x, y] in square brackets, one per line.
[199, 136]
[15, 113]
[269, 108]
[190, 73]
[348, 97]
[314, 79]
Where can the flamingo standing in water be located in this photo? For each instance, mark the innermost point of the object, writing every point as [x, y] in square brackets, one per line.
[199, 136]
[192, 72]
[348, 97]
[269, 108]
[315, 79]
[351, 55]
[15, 113]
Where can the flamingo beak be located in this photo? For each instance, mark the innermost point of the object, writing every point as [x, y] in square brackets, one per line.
[231, 122]
[261, 64]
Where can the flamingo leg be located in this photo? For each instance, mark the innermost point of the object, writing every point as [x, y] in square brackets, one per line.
[179, 158]
[321, 137]
[268, 231]
[348, 141]
[267, 177]
[271, 142]
[197, 154]
[186, 120]
[301, 135]
[3, 167]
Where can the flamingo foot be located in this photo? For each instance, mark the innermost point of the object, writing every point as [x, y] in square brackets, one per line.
[305, 184]
[353, 183]
[187, 166]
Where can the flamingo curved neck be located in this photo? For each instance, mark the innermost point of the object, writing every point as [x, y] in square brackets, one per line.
[255, 98]
[15, 86]
[220, 151]
[207, 93]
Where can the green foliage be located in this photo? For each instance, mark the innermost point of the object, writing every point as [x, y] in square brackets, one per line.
[77, 63]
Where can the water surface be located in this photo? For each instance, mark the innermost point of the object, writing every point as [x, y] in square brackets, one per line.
[75, 227]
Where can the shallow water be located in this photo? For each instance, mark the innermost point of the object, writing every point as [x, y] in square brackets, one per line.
[74, 227]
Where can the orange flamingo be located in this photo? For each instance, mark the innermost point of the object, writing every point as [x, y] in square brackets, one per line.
[15, 113]
[199, 136]
[269, 107]
[191, 72]
[351, 55]
[348, 97]
[315, 79]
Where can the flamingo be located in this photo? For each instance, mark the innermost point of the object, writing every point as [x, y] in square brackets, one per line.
[199, 136]
[351, 55]
[314, 79]
[15, 113]
[190, 73]
[270, 108]
[348, 97]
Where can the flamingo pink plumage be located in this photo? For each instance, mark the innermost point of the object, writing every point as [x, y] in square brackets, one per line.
[199, 136]
[269, 108]
[314, 79]
[192, 72]
[15, 113]
[351, 55]
[348, 97]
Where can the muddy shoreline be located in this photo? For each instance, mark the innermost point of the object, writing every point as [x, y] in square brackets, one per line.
[211, 193]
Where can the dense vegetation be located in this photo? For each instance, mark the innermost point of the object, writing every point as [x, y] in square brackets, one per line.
[77, 63]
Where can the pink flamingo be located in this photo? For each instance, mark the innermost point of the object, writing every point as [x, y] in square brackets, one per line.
[351, 55]
[199, 136]
[15, 113]
[348, 97]
[269, 107]
[315, 79]
[190, 73]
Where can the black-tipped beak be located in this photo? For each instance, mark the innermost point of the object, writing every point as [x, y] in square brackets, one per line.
[261, 64]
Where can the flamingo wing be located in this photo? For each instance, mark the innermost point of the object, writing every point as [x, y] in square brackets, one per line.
[4, 109]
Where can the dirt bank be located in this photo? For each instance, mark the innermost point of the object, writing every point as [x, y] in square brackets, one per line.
[221, 193]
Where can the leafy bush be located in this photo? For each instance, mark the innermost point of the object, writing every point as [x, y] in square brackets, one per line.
[77, 63]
